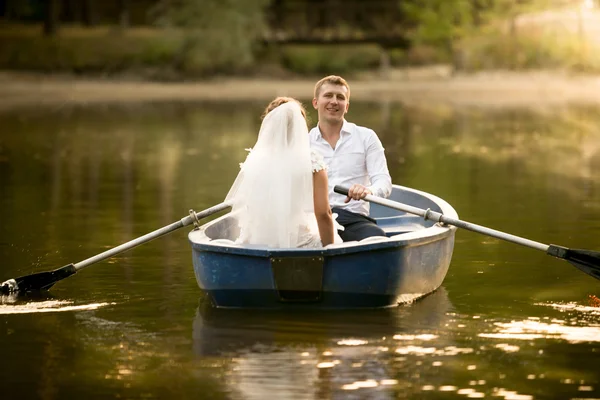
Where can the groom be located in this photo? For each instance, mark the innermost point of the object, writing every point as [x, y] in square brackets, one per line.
[354, 156]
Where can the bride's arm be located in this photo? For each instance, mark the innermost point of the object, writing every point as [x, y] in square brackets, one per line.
[321, 205]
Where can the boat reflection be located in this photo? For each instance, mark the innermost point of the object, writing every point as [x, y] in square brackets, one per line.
[318, 354]
[219, 330]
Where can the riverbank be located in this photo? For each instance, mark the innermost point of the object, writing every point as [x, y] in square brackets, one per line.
[415, 86]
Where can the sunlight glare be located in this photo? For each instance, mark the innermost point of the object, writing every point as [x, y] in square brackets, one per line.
[351, 342]
[528, 330]
[49, 306]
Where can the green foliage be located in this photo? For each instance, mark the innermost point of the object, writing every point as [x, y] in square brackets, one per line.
[476, 34]
[329, 59]
[163, 53]
[16, 9]
[199, 38]
[442, 23]
[439, 22]
[420, 54]
[530, 49]
[97, 50]
[219, 35]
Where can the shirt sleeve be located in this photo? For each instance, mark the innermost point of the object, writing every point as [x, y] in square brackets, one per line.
[381, 181]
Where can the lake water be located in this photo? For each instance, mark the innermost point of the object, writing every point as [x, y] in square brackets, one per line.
[508, 322]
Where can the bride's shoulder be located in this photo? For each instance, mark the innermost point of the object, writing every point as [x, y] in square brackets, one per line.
[317, 161]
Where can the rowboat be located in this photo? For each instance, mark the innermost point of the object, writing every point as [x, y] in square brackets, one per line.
[409, 263]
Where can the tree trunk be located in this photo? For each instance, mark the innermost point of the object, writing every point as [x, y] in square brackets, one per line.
[88, 13]
[51, 20]
[476, 9]
[124, 14]
[512, 42]
[69, 11]
[384, 63]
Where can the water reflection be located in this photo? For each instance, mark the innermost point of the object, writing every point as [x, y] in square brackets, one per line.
[422, 350]
[43, 302]
[525, 354]
[318, 355]
[529, 330]
[6, 307]
[582, 324]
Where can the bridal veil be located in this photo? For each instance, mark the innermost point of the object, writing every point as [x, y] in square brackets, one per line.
[272, 196]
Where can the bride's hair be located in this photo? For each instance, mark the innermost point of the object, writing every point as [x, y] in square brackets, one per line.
[282, 100]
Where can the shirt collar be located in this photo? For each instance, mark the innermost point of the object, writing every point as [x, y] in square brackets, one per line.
[345, 128]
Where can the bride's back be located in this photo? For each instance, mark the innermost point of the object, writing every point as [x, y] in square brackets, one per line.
[272, 195]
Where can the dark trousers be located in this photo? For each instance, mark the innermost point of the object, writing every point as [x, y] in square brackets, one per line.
[356, 226]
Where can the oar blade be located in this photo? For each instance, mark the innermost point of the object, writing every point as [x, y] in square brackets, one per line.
[37, 282]
[587, 261]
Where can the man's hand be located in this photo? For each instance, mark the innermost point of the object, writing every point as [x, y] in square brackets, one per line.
[357, 192]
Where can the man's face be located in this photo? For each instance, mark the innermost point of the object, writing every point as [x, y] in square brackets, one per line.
[332, 103]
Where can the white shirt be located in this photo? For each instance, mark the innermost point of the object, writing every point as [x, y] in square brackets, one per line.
[358, 157]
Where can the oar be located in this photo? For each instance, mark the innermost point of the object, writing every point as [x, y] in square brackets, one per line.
[45, 280]
[586, 260]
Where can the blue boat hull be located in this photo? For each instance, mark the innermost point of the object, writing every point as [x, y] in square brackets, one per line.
[374, 273]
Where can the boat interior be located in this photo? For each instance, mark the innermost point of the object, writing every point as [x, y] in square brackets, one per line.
[225, 230]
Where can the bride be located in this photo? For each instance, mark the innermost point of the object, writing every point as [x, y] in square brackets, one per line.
[280, 196]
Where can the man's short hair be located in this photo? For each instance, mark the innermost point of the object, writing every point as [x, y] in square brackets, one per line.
[331, 79]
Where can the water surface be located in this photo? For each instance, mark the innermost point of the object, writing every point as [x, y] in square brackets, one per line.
[509, 322]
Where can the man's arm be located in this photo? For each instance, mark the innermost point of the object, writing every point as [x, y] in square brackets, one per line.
[381, 181]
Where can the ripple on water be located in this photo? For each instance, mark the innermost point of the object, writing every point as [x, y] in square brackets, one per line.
[48, 306]
[571, 331]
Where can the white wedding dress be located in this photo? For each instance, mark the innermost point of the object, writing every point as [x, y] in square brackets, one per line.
[272, 196]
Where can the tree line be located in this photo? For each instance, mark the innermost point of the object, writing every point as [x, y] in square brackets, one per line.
[435, 20]
[216, 36]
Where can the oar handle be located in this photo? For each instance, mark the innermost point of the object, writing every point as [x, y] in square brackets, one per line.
[341, 190]
[426, 214]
